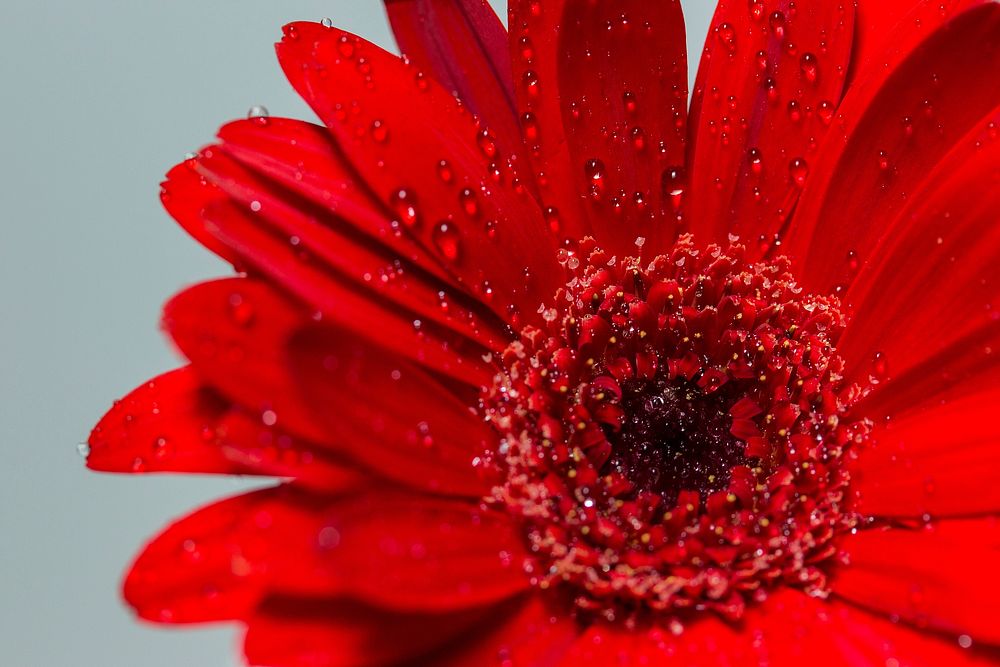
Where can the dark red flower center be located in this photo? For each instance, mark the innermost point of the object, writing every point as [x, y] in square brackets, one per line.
[674, 438]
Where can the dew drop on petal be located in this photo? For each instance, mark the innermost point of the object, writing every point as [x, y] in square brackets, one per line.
[810, 67]
[327, 22]
[799, 171]
[404, 203]
[83, 449]
[258, 111]
[446, 240]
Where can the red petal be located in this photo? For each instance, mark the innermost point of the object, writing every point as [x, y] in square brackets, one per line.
[534, 29]
[886, 28]
[174, 423]
[396, 551]
[306, 633]
[462, 44]
[924, 462]
[355, 261]
[955, 282]
[485, 231]
[622, 77]
[389, 414]
[533, 635]
[200, 205]
[234, 332]
[939, 576]
[770, 79]
[301, 163]
[165, 425]
[892, 128]
[788, 630]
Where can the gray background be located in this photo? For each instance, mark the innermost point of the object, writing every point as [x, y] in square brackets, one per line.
[99, 98]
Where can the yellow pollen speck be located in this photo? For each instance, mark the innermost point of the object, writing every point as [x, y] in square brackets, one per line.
[645, 538]
[563, 389]
[591, 362]
[764, 521]
[543, 584]
[689, 507]
[783, 432]
[667, 516]
[600, 396]
[731, 497]
[571, 474]
[643, 334]
[580, 426]
[762, 378]
[544, 372]
[760, 348]
[585, 530]
[697, 335]
[685, 340]
[805, 465]
[719, 530]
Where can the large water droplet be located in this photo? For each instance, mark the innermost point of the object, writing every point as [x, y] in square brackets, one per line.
[83, 449]
[404, 203]
[446, 240]
[810, 67]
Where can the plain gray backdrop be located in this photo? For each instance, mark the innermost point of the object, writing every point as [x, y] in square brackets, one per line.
[99, 98]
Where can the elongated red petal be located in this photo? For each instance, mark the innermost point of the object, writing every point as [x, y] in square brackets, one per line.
[466, 212]
[357, 262]
[935, 576]
[349, 301]
[463, 45]
[259, 350]
[622, 76]
[290, 632]
[888, 27]
[534, 31]
[770, 78]
[176, 423]
[533, 634]
[925, 461]
[165, 425]
[956, 282]
[893, 127]
[389, 414]
[402, 552]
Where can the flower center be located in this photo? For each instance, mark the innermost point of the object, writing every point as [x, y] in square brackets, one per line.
[674, 438]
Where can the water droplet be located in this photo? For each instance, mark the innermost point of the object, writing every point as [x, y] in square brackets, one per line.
[83, 449]
[777, 23]
[638, 138]
[445, 172]
[553, 219]
[799, 171]
[258, 113]
[629, 101]
[756, 161]
[810, 67]
[794, 111]
[327, 22]
[241, 311]
[469, 203]
[345, 46]
[269, 417]
[726, 35]
[529, 127]
[826, 111]
[880, 367]
[883, 161]
[404, 203]
[965, 641]
[446, 239]
[594, 171]
[487, 144]
[673, 186]
[380, 132]
[531, 83]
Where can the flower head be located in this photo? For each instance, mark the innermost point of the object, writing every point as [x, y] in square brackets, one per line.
[557, 370]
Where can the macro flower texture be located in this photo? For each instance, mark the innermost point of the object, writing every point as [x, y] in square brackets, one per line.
[546, 366]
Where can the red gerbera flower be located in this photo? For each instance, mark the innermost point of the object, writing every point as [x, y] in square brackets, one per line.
[559, 373]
